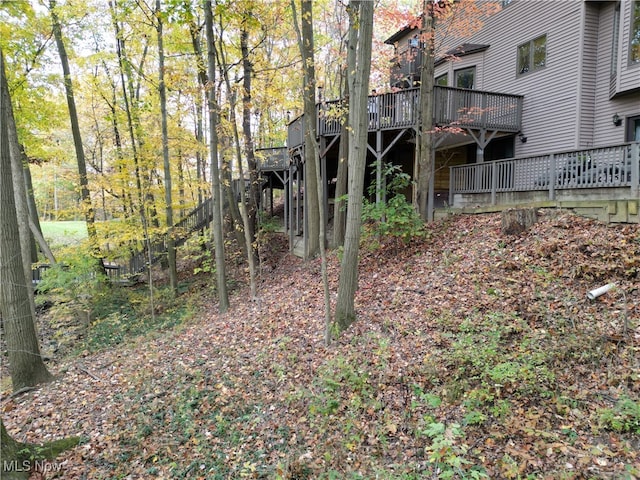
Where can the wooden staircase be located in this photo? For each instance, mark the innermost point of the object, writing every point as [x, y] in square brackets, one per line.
[194, 221]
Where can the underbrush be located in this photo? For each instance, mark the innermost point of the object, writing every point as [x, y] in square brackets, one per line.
[475, 355]
[84, 311]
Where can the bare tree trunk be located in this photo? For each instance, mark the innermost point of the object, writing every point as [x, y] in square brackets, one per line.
[305, 42]
[25, 363]
[425, 145]
[237, 225]
[251, 257]
[75, 130]
[340, 212]
[40, 240]
[218, 239]
[34, 219]
[311, 199]
[20, 191]
[168, 198]
[201, 68]
[361, 17]
[254, 187]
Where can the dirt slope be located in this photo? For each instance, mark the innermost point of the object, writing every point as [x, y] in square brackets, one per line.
[475, 354]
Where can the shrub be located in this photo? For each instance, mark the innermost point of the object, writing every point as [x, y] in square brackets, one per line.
[396, 217]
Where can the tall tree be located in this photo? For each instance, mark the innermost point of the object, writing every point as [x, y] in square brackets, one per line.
[247, 107]
[244, 211]
[339, 217]
[221, 279]
[75, 128]
[312, 200]
[315, 182]
[162, 90]
[25, 362]
[19, 189]
[361, 18]
[425, 146]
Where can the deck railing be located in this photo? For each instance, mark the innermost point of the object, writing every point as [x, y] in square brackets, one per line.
[406, 65]
[396, 110]
[269, 159]
[615, 166]
[477, 109]
[295, 132]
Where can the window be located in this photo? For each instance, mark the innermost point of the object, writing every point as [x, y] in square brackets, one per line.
[532, 55]
[464, 78]
[633, 129]
[442, 80]
[614, 43]
[634, 38]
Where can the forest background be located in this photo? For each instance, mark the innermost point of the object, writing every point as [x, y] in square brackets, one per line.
[142, 103]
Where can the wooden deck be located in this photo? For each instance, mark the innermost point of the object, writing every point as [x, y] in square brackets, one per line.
[472, 109]
[597, 168]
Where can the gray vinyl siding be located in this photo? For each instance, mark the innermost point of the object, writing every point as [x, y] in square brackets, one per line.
[587, 86]
[604, 131]
[551, 106]
[567, 103]
[629, 74]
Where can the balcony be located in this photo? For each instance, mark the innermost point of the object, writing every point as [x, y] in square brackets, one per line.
[405, 67]
[272, 159]
[457, 107]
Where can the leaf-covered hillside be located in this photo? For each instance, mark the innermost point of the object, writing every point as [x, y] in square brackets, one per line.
[476, 355]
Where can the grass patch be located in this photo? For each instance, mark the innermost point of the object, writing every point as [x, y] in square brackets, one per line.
[64, 234]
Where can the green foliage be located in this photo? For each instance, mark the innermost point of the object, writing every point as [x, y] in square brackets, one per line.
[447, 451]
[206, 261]
[267, 224]
[77, 278]
[85, 305]
[492, 354]
[396, 217]
[623, 417]
[132, 319]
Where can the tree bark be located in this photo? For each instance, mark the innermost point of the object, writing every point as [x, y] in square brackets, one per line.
[25, 363]
[168, 198]
[517, 220]
[218, 239]
[358, 130]
[201, 68]
[251, 257]
[42, 243]
[254, 187]
[340, 212]
[34, 219]
[18, 458]
[305, 41]
[425, 145]
[19, 191]
[89, 213]
[311, 198]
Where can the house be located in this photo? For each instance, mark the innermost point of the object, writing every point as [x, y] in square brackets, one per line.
[545, 111]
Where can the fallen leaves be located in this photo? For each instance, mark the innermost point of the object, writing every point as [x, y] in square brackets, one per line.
[254, 393]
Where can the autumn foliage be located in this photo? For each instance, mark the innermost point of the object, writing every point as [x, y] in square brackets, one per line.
[476, 355]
